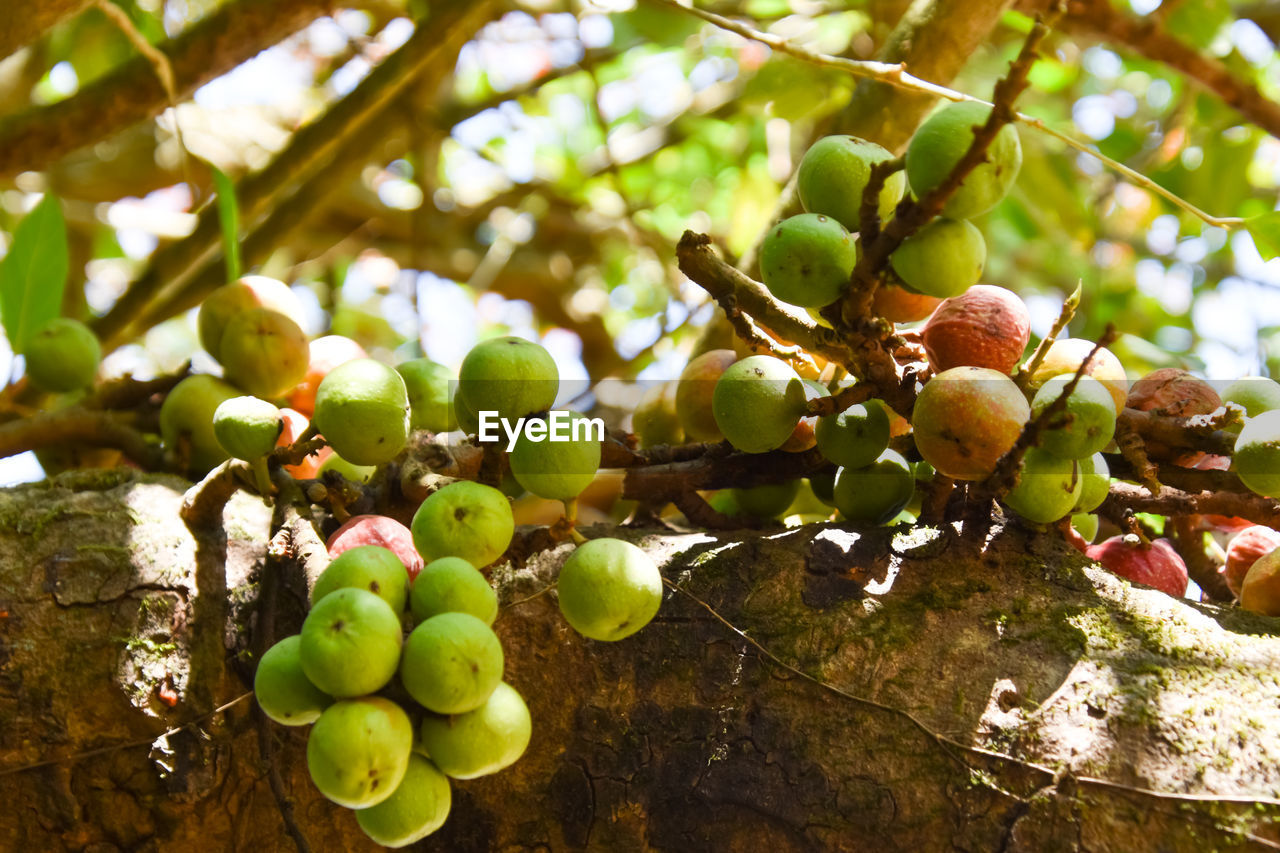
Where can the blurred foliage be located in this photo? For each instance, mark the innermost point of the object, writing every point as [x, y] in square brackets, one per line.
[551, 175]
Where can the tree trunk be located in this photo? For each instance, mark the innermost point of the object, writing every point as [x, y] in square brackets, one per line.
[923, 696]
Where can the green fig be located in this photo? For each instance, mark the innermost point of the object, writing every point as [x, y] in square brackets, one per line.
[943, 259]
[62, 355]
[833, 174]
[362, 410]
[807, 260]
[943, 139]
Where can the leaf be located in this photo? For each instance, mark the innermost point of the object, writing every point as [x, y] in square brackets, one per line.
[33, 275]
[229, 216]
[1265, 231]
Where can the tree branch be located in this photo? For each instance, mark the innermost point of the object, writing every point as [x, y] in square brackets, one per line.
[79, 426]
[27, 20]
[37, 138]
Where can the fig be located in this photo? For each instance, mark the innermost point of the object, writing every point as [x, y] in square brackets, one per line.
[966, 418]
[247, 427]
[510, 376]
[1086, 525]
[376, 530]
[695, 391]
[283, 690]
[804, 436]
[875, 493]
[943, 259]
[757, 403]
[323, 355]
[358, 751]
[768, 501]
[1048, 487]
[451, 664]
[807, 260]
[1257, 454]
[1174, 392]
[464, 519]
[656, 419]
[240, 297]
[186, 421]
[1087, 423]
[368, 567]
[480, 742]
[1255, 394]
[417, 808]
[1157, 565]
[899, 305]
[557, 469]
[1260, 589]
[452, 585]
[1245, 549]
[264, 352]
[1095, 476]
[354, 473]
[986, 326]
[609, 589]
[431, 387]
[350, 643]
[62, 355]
[833, 174]
[362, 409]
[1067, 354]
[939, 143]
[855, 437]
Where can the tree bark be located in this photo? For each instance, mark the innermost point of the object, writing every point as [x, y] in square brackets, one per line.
[1015, 698]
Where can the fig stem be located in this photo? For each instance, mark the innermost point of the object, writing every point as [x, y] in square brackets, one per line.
[262, 478]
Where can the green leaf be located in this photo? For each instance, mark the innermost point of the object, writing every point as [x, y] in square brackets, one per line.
[34, 273]
[229, 216]
[1265, 231]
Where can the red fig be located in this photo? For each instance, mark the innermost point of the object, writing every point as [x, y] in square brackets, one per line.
[1156, 565]
[1244, 549]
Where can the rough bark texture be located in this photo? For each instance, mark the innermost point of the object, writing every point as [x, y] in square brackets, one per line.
[683, 737]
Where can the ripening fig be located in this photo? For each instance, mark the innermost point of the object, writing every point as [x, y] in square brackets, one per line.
[1065, 355]
[1085, 425]
[1245, 549]
[510, 376]
[368, 567]
[1260, 589]
[758, 402]
[609, 589]
[556, 469]
[240, 297]
[62, 355]
[656, 419]
[1256, 460]
[376, 530]
[900, 305]
[451, 663]
[804, 436]
[283, 690]
[362, 410]
[323, 355]
[875, 493]
[186, 421]
[464, 519]
[480, 742]
[358, 751]
[855, 437]
[943, 259]
[452, 585]
[695, 391]
[833, 174]
[940, 142]
[1048, 487]
[247, 427]
[1175, 392]
[768, 501]
[986, 326]
[1157, 565]
[417, 808]
[431, 387]
[1095, 477]
[350, 643]
[264, 352]
[1086, 525]
[1255, 394]
[966, 418]
[807, 260]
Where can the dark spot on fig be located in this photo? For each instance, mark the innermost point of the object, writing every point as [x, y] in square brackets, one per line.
[374, 586]
[338, 625]
[373, 773]
[459, 513]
